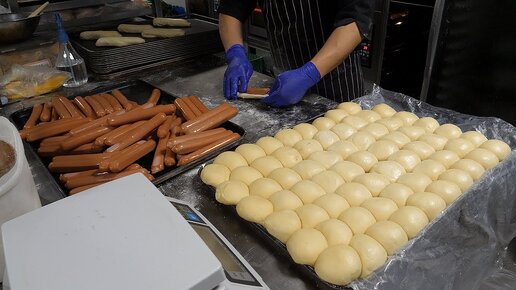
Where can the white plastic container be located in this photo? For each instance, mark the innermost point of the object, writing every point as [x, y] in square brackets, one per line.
[18, 194]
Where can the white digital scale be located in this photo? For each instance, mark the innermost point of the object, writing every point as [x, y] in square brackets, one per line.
[121, 235]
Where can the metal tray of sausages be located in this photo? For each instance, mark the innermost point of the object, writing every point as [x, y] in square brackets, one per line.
[139, 92]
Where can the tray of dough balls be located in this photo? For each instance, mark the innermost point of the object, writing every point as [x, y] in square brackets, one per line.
[345, 193]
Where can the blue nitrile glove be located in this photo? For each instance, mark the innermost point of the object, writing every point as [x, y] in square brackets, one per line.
[239, 70]
[291, 86]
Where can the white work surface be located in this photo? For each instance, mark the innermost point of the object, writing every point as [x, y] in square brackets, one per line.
[120, 235]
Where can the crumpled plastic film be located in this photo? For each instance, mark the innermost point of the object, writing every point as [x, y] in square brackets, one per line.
[467, 246]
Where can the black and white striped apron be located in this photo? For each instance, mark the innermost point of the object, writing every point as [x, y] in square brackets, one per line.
[297, 32]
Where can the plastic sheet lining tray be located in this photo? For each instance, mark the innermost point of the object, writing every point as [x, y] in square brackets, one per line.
[201, 38]
[139, 92]
[463, 248]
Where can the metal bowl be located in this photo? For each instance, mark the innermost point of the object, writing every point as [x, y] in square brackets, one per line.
[16, 27]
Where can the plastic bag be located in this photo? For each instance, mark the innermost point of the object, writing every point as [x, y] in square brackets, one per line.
[25, 82]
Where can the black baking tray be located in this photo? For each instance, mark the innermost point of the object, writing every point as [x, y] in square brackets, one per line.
[279, 247]
[139, 92]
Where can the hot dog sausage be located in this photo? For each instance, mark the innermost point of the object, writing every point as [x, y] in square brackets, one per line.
[34, 116]
[84, 107]
[213, 122]
[96, 106]
[170, 159]
[46, 113]
[60, 109]
[192, 145]
[125, 159]
[118, 137]
[56, 140]
[195, 136]
[154, 97]
[87, 180]
[87, 148]
[104, 103]
[258, 91]
[164, 129]
[72, 163]
[55, 115]
[139, 132]
[198, 104]
[54, 128]
[192, 106]
[101, 139]
[70, 107]
[64, 177]
[113, 102]
[219, 114]
[122, 99]
[83, 188]
[95, 123]
[143, 114]
[84, 138]
[184, 109]
[158, 163]
[208, 149]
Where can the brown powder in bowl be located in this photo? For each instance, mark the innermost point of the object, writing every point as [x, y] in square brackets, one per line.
[7, 157]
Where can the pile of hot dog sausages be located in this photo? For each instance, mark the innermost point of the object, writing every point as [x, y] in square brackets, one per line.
[100, 138]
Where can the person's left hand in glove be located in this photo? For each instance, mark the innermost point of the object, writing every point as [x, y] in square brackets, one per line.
[291, 86]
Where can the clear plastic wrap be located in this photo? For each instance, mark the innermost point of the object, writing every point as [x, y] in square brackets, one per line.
[467, 247]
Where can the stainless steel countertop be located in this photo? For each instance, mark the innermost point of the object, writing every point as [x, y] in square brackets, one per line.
[204, 79]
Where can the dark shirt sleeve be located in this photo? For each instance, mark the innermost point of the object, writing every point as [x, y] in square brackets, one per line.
[240, 9]
[359, 11]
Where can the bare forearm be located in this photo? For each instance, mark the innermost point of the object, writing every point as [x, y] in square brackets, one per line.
[338, 47]
[230, 30]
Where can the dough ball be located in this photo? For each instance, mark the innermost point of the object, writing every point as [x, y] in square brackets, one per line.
[250, 152]
[397, 137]
[382, 149]
[430, 168]
[392, 124]
[449, 131]
[473, 168]
[311, 215]
[459, 177]
[323, 123]
[343, 130]
[354, 193]
[474, 137]
[408, 118]
[406, 158]
[215, 174]
[269, 144]
[305, 245]
[344, 148]
[308, 191]
[499, 148]
[266, 165]
[230, 159]
[362, 140]
[245, 174]
[254, 208]
[336, 115]
[380, 207]
[431, 203]
[416, 181]
[350, 107]
[411, 219]
[264, 187]
[364, 159]
[445, 157]
[308, 168]
[390, 169]
[358, 219]
[231, 192]
[420, 148]
[372, 254]
[368, 115]
[285, 199]
[307, 147]
[447, 190]
[427, 123]
[289, 137]
[373, 181]
[282, 224]
[389, 234]
[288, 156]
[339, 265]
[376, 129]
[328, 180]
[332, 203]
[347, 170]
[306, 130]
[485, 157]
[326, 158]
[335, 231]
[326, 138]
[434, 140]
[412, 132]
[397, 192]
[354, 122]
[384, 110]
[286, 177]
[459, 146]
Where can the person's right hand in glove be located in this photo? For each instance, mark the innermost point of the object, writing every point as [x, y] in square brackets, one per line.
[238, 73]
